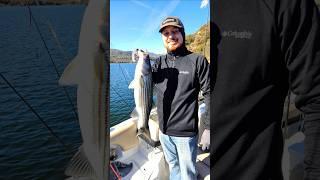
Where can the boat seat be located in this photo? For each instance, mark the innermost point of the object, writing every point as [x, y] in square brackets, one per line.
[203, 164]
[124, 135]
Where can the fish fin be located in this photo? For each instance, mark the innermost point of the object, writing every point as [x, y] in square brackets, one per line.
[134, 113]
[132, 84]
[71, 73]
[79, 165]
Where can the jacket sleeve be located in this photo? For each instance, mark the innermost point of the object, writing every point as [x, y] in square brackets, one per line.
[299, 32]
[203, 71]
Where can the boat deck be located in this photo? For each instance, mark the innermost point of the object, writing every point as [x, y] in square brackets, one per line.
[148, 163]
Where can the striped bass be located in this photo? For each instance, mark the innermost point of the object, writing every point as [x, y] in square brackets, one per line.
[89, 70]
[142, 85]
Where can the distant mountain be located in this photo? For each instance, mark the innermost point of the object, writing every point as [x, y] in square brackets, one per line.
[198, 42]
[119, 56]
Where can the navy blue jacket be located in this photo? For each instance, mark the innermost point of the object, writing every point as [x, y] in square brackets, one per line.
[262, 48]
[178, 77]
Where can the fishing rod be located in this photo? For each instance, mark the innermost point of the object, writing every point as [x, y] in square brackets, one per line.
[124, 75]
[50, 56]
[119, 96]
[38, 116]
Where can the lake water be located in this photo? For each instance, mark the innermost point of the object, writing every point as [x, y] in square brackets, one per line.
[121, 98]
[27, 149]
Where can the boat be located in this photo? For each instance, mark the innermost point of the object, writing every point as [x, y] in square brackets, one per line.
[142, 158]
[146, 156]
[144, 152]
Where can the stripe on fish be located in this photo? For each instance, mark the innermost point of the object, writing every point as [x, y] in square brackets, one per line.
[142, 85]
[89, 70]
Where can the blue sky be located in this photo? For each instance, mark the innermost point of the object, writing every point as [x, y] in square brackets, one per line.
[135, 23]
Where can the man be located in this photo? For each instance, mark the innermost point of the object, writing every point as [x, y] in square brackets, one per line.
[178, 77]
[262, 49]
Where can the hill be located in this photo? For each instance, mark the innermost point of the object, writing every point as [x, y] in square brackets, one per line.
[119, 56]
[199, 41]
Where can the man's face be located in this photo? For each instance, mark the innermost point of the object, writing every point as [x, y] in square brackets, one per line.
[172, 38]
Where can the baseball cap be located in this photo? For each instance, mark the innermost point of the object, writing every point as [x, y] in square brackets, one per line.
[171, 21]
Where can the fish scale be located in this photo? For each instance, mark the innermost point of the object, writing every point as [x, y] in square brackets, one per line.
[142, 85]
[89, 71]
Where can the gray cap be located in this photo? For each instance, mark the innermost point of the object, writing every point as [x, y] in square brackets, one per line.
[171, 21]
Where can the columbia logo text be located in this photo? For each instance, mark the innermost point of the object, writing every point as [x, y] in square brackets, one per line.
[237, 34]
[183, 72]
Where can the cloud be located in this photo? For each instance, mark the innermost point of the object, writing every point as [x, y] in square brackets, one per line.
[204, 3]
[154, 22]
[152, 25]
[139, 3]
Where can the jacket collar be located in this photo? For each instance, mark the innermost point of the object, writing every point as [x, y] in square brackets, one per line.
[181, 51]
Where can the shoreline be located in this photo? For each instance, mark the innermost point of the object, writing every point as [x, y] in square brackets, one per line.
[48, 4]
[41, 2]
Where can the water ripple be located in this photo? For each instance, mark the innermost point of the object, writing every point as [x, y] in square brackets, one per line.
[28, 150]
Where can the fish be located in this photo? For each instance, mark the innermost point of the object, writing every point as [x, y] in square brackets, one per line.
[143, 89]
[89, 71]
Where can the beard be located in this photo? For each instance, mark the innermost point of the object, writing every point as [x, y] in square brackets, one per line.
[173, 47]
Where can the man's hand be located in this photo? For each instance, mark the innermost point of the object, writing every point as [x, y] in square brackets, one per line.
[205, 140]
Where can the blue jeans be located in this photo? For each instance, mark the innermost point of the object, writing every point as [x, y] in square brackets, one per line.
[180, 153]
